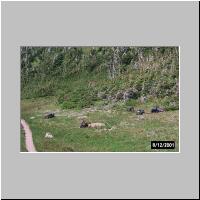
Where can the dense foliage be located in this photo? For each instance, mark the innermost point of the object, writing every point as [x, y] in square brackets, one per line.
[82, 76]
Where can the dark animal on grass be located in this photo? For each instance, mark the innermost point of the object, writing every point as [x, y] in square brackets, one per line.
[156, 110]
[130, 109]
[49, 115]
[140, 112]
[83, 124]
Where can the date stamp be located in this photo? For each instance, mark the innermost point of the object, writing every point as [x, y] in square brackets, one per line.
[162, 145]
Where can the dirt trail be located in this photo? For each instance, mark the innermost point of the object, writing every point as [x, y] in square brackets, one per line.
[28, 137]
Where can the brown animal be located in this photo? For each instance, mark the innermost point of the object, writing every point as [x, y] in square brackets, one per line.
[84, 124]
[96, 125]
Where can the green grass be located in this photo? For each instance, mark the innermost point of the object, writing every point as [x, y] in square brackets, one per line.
[72, 82]
[129, 134]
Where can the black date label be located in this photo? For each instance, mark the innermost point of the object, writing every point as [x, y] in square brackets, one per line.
[162, 144]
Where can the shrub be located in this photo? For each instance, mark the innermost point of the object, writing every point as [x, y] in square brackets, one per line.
[40, 89]
[68, 105]
[79, 98]
[170, 103]
[131, 102]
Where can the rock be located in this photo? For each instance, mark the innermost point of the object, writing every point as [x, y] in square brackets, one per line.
[130, 94]
[114, 101]
[134, 64]
[101, 95]
[92, 83]
[143, 99]
[150, 58]
[150, 133]
[140, 117]
[119, 96]
[173, 103]
[109, 111]
[48, 135]
[111, 98]
[130, 109]
[32, 117]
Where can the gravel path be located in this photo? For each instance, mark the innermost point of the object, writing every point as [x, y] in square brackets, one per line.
[28, 137]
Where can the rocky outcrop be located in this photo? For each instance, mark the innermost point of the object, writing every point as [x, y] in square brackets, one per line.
[119, 95]
[101, 95]
[143, 99]
[130, 94]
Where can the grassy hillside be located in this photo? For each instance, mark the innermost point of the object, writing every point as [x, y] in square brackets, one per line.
[128, 132]
[99, 83]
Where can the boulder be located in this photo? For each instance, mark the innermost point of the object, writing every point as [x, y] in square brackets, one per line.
[48, 135]
[130, 109]
[111, 98]
[101, 95]
[119, 96]
[143, 99]
[130, 94]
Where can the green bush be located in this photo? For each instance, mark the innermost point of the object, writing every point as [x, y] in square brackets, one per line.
[40, 89]
[78, 98]
[61, 72]
[170, 103]
[131, 102]
[68, 105]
